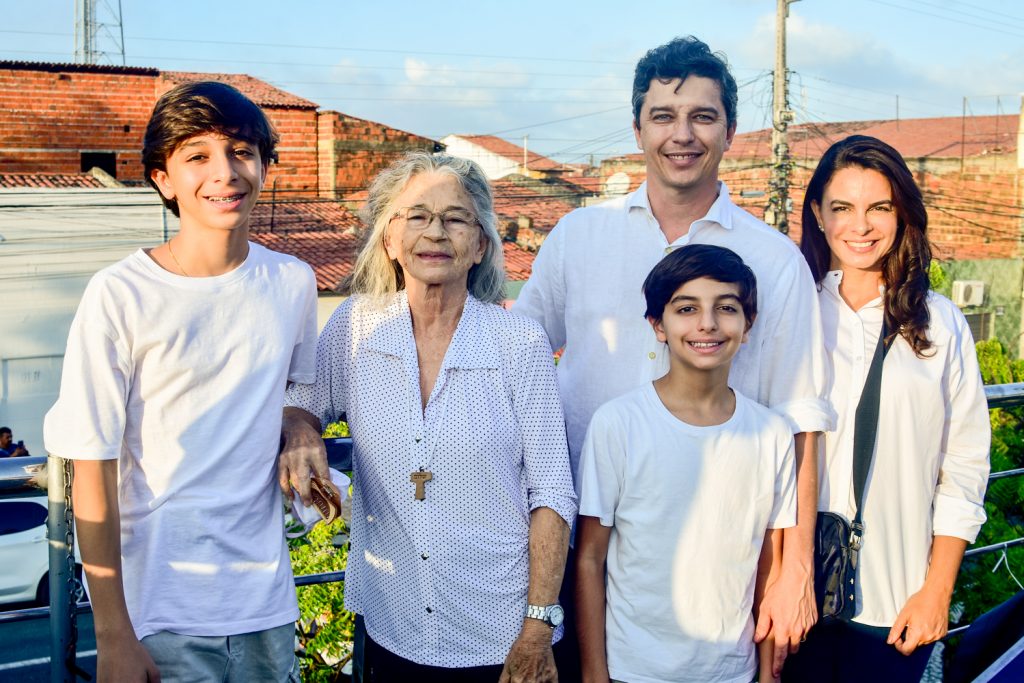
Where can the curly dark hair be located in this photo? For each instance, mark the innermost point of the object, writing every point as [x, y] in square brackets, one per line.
[905, 267]
[681, 58]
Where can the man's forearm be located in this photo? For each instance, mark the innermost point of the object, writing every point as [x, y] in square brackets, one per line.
[798, 541]
[98, 527]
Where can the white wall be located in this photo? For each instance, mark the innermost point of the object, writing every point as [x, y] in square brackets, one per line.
[51, 243]
[494, 165]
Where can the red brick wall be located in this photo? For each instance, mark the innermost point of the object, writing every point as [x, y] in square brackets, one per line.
[353, 151]
[48, 119]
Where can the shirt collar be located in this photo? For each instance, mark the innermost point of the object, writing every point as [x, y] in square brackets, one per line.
[469, 348]
[830, 283]
[720, 212]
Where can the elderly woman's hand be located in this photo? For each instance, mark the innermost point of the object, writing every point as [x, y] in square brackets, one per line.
[531, 660]
[302, 454]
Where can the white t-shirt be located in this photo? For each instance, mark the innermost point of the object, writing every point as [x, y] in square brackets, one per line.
[182, 380]
[688, 507]
[931, 463]
[585, 290]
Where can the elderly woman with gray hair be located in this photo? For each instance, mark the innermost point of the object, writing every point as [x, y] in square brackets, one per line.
[463, 496]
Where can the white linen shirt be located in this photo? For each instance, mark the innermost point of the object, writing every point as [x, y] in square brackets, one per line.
[586, 291]
[443, 581]
[931, 463]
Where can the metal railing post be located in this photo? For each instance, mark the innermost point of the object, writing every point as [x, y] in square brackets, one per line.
[61, 615]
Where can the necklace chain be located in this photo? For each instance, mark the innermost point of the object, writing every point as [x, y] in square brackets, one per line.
[176, 261]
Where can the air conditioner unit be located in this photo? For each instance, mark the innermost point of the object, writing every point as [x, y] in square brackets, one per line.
[968, 293]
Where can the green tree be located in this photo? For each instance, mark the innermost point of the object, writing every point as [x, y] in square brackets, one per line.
[979, 589]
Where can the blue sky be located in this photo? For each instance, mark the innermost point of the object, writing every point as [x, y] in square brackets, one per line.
[561, 72]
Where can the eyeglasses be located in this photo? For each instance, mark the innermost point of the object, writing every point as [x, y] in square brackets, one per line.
[453, 220]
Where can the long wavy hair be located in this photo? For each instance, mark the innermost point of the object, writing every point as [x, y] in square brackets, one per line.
[905, 267]
[377, 275]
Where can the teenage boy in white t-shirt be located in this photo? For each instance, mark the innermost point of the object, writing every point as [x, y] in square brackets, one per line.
[686, 485]
[170, 405]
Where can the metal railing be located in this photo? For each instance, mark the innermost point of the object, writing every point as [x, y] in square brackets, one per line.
[28, 476]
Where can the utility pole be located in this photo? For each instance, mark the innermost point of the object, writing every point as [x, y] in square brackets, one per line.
[777, 212]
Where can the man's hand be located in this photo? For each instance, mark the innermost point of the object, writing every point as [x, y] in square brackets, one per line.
[788, 610]
[302, 454]
[123, 659]
[530, 660]
[925, 618]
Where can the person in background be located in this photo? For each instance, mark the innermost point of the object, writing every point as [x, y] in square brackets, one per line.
[9, 449]
[865, 239]
[462, 492]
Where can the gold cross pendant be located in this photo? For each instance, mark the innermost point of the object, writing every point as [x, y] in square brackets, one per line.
[420, 478]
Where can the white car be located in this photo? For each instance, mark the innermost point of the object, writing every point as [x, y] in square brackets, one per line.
[24, 552]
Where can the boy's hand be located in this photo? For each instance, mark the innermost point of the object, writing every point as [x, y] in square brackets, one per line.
[125, 660]
[302, 454]
[531, 660]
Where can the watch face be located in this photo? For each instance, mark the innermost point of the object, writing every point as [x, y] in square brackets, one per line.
[556, 615]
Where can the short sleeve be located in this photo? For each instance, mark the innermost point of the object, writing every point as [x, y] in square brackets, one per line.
[88, 420]
[602, 466]
[302, 368]
[784, 504]
[324, 397]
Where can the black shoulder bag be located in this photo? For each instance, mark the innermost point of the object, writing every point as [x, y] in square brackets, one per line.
[837, 542]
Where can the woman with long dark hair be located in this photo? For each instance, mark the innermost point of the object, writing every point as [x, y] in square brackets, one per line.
[864, 236]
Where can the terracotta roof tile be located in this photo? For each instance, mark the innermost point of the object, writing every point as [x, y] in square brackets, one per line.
[49, 180]
[322, 233]
[260, 92]
[948, 136]
[518, 262]
[512, 200]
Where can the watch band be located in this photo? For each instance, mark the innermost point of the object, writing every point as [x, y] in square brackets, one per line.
[552, 615]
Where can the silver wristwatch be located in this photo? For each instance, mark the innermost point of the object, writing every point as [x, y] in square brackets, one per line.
[552, 615]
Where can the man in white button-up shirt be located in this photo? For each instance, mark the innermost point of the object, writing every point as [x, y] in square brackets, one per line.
[586, 288]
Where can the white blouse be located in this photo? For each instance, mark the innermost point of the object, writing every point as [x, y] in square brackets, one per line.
[442, 581]
[931, 463]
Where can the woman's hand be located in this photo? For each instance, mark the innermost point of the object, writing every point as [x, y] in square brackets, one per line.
[924, 619]
[531, 660]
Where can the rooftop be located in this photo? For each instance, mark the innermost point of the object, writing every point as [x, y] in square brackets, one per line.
[502, 147]
[50, 180]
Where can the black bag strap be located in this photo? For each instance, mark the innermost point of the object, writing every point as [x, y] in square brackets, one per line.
[865, 431]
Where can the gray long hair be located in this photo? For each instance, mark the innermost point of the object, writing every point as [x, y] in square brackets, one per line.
[377, 275]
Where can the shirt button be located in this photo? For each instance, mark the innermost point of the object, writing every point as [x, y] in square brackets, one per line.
[652, 355]
[430, 610]
[424, 556]
[668, 250]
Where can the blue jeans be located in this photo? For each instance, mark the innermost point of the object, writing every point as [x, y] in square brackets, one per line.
[265, 656]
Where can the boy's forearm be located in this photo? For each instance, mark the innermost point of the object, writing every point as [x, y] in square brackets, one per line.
[98, 528]
[590, 606]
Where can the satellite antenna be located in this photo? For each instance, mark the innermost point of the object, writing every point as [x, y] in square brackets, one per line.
[617, 184]
[98, 25]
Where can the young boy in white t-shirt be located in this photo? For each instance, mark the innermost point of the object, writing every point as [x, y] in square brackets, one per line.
[686, 485]
[170, 406]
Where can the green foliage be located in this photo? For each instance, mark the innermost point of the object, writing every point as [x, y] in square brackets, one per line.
[336, 430]
[325, 628]
[938, 278]
[979, 589]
